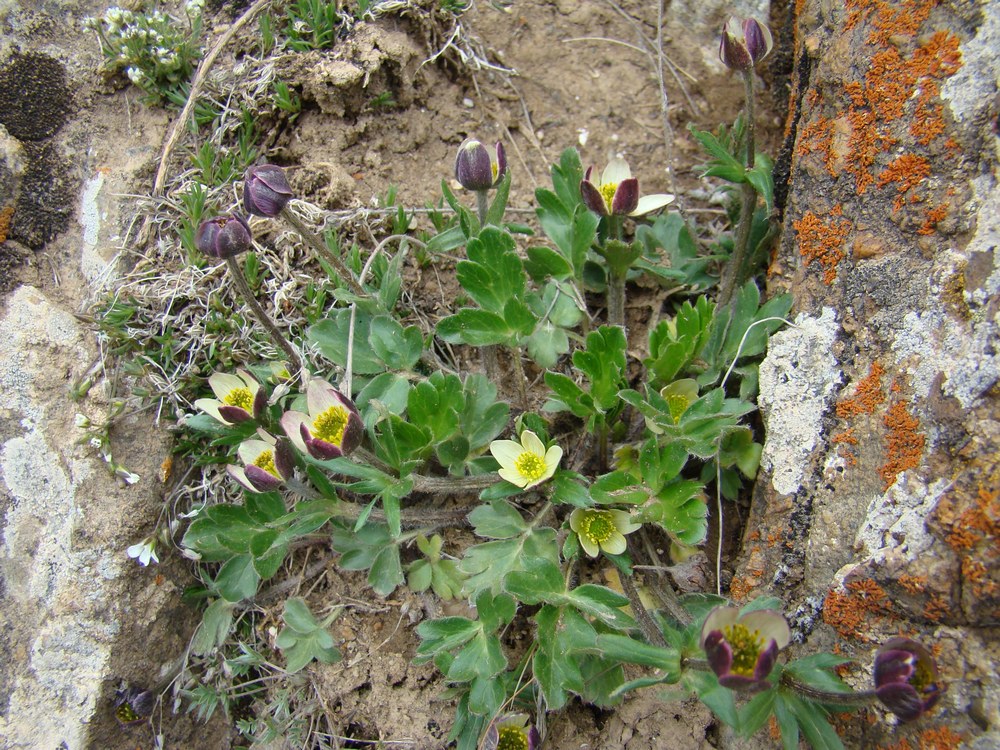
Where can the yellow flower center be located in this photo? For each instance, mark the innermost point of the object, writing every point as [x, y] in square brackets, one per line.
[329, 426]
[677, 404]
[265, 461]
[922, 679]
[495, 169]
[598, 526]
[746, 645]
[512, 738]
[531, 466]
[241, 397]
[126, 713]
[608, 190]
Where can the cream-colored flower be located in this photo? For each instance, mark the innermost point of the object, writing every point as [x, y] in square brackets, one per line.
[599, 529]
[235, 395]
[527, 463]
[617, 192]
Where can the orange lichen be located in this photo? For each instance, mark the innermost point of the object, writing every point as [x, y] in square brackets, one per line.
[932, 217]
[6, 214]
[907, 171]
[739, 588]
[823, 242]
[818, 136]
[867, 395]
[936, 608]
[975, 524]
[928, 120]
[844, 440]
[912, 584]
[940, 738]
[773, 730]
[905, 444]
[848, 612]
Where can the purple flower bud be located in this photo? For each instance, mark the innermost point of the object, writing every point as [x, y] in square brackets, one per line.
[478, 169]
[742, 649]
[744, 44]
[906, 678]
[224, 236]
[265, 190]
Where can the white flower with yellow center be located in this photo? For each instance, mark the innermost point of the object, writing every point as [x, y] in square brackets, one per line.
[617, 192]
[527, 463]
[267, 463]
[235, 397]
[599, 529]
[333, 426]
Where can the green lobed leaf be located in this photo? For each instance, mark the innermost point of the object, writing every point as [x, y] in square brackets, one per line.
[487, 564]
[498, 520]
[237, 579]
[680, 510]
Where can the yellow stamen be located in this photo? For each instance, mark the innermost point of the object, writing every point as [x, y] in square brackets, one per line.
[608, 190]
[512, 738]
[265, 461]
[329, 426]
[531, 466]
[597, 526]
[746, 645]
[241, 397]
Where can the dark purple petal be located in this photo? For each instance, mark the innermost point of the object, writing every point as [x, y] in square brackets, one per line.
[265, 190]
[224, 236]
[259, 404]
[626, 197]
[893, 666]
[733, 53]
[235, 414]
[742, 683]
[263, 480]
[719, 653]
[317, 448]
[284, 458]
[901, 699]
[473, 169]
[765, 661]
[534, 738]
[756, 42]
[354, 430]
[592, 197]
[501, 162]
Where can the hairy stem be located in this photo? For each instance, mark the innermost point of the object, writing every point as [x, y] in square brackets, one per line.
[276, 336]
[522, 390]
[735, 272]
[646, 623]
[482, 205]
[316, 243]
[616, 299]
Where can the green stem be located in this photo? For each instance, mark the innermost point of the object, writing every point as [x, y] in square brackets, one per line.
[616, 299]
[482, 205]
[316, 243]
[735, 272]
[248, 296]
[602, 446]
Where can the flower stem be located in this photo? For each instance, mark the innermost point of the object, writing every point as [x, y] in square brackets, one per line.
[482, 206]
[735, 272]
[316, 243]
[519, 376]
[276, 336]
[616, 299]
[646, 623]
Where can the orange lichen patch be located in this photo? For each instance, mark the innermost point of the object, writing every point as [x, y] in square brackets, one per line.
[907, 171]
[905, 444]
[847, 612]
[936, 608]
[6, 214]
[939, 58]
[844, 440]
[818, 136]
[912, 584]
[867, 396]
[866, 142]
[889, 17]
[975, 524]
[932, 217]
[773, 730]
[940, 738]
[928, 120]
[740, 588]
[822, 241]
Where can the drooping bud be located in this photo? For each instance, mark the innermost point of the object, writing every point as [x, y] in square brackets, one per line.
[478, 169]
[265, 190]
[906, 678]
[224, 236]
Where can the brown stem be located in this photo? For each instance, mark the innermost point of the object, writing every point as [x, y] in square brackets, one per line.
[519, 376]
[645, 620]
[237, 274]
[316, 243]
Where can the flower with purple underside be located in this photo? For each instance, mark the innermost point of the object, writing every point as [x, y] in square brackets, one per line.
[477, 168]
[742, 649]
[599, 529]
[511, 732]
[332, 427]
[906, 678]
[744, 43]
[133, 705]
[144, 552]
[238, 397]
[224, 236]
[527, 463]
[267, 463]
[265, 190]
[617, 193]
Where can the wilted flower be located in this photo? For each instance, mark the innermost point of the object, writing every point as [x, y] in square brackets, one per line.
[527, 463]
[511, 732]
[265, 190]
[144, 551]
[133, 705]
[617, 194]
[267, 463]
[600, 529]
[238, 397]
[332, 427]
[906, 678]
[744, 44]
[224, 236]
[742, 649]
[476, 168]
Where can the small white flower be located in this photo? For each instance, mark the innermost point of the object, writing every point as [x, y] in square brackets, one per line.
[128, 476]
[135, 75]
[527, 463]
[144, 551]
[82, 421]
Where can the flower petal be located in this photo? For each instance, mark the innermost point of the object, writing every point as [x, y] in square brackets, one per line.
[211, 407]
[616, 171]
[250, 450]
[648, 203]
[624, 521]
[532, 443]
[552, 458]
[320, 396]
[770, 624]
[626, 197]
[223, 382]
[506, 452]
[262, 480]
[615, 544]
[589, 547]
[718, 618]
[513, 476]
[718, 652]
[902, 699]
[291, 423]
[592, 198]
[237, 473]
